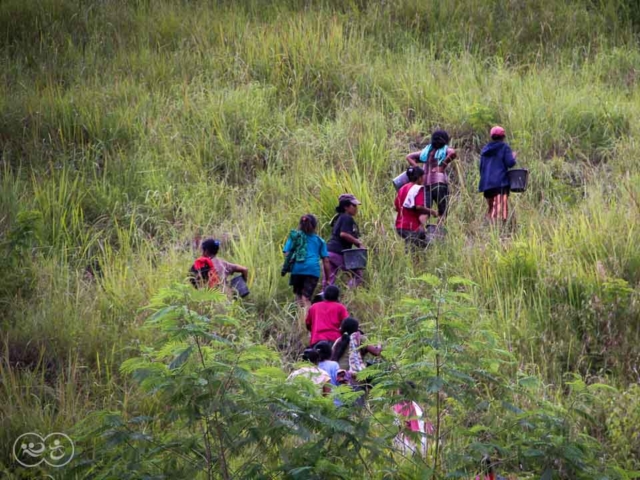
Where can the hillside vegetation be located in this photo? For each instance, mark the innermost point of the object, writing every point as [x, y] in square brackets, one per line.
[127, 128]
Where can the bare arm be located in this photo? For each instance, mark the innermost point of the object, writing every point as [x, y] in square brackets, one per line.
[242, 270]
[425, 210]
[308, 320]
[451, 156]
[413, 158]
[350, 238]
[326, 267]
[375, 350]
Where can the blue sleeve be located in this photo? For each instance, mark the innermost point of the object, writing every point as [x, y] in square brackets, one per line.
[323, 249]
[287, 246]
[509, 161]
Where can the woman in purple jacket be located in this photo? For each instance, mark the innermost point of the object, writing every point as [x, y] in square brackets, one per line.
[496, 159]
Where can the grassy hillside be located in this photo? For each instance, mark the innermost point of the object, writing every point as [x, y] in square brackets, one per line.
[129, 127]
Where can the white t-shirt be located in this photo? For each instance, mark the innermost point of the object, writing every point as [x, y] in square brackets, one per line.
[315, 374]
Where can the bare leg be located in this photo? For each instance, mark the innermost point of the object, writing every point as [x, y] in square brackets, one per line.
[355, 278]
[303, 306]
[505, 207]
[497, 207]
[303, 302]
[489, 208]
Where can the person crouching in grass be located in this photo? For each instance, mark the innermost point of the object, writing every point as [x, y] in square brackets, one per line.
[209, 271]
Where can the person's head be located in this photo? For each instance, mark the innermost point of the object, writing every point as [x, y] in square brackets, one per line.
[439, 139]
[498, 134]
[349, 325]
[415, 175]
[311, 355]
[308, 223]
[210, 247]
[341, 377]
[348, 203]
[331, 293]
[324, 350]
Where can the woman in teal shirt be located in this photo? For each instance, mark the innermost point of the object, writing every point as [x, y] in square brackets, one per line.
[309, 250]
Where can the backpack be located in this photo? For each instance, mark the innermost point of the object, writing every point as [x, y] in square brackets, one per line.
[203, 274]
[297, 252]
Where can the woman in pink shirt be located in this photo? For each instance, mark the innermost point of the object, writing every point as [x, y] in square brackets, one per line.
[435, 158]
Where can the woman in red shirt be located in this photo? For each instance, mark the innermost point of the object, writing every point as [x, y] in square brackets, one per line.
[410, 204]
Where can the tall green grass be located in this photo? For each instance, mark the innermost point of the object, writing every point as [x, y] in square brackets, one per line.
[128, 127]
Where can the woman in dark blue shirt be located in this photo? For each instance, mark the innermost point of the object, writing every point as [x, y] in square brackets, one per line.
[496, 159]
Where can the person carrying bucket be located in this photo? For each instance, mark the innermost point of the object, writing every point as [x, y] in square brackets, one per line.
[209, 271]
[344, 236]
[304, 252]
[410, 206]
[496, 159]
[435, 158]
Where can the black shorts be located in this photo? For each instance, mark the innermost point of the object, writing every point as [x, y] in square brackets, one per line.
[494, 192]
[304, 285]
[438, 193]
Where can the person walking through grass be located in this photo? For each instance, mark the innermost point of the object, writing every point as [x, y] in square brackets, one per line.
[209, 271]
[350, 348]
[344, 235]
[304, 252]
[496, 159]
[435, 158]
[410, 206]
[413, 429]
[329, 366]
[324, 318]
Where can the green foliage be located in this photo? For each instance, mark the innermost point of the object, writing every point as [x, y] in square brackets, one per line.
[127, 127]
[16, 254]
[221, 410]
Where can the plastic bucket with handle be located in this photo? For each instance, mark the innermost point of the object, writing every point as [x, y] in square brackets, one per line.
[435, 232]
[518, 179]
[240, 286]
[355, 258]
[400, 180]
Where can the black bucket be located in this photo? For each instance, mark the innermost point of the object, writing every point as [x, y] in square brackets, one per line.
[400, 180]
[240, 286]
[518, 179]
[355, 258]
[435, 231]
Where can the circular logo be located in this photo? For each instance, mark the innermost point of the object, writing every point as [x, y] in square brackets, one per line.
[31, 449]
